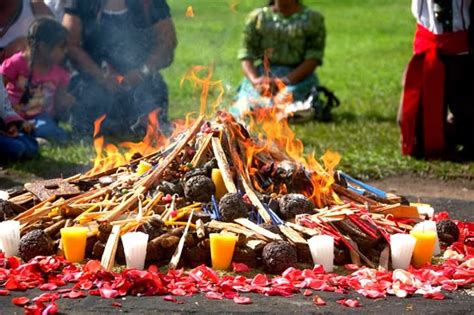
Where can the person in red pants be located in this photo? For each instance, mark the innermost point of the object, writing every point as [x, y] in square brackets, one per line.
[437, 110]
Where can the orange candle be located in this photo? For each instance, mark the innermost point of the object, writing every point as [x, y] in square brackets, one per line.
[221, 190]
[74, 243]
[222, 250]
[424, 248]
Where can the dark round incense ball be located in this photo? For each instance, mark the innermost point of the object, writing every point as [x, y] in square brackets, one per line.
[271, 227]
[448, 231]
[199, 188]
[294, 204]
[154, 228]
[35, 243]
[232, 206]
[195, 172]
[279, 256]
[6, 210]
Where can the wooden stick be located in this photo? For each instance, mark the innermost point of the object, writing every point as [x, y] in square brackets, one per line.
[255, 201]
[108, 257]
[292, 235]
[223, 165]
[235, 228]
[177, 254]
[201, 153]
[200, 229]
[260, 230]
[302, 229]
[353, 196]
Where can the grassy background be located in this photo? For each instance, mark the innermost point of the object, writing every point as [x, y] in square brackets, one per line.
[368, 46]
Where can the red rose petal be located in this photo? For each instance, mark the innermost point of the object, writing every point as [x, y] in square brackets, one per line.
[4, 292]
[240, 267]
[20, 301]
[51, 309]
[108, 293]
[242, 300]
[317, 300]
[214, 295]
[170, 298]
[349, 302]
[434, 295]
[92, 266]
[260, 280]
[74, 295]
[230, 295]
[117, 304]
[352, 267]
[307, 292]
[178, 292]
[48, 287]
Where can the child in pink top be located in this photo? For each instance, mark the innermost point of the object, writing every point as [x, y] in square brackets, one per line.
[36, 83]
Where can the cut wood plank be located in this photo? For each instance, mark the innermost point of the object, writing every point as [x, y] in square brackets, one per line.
[255, 201]
[353, 196]
[200, 229]
[260, 230]
[108, 257]
[223, 165]
[255, 244]
[177, 254]
[292, 235]
[401, 211]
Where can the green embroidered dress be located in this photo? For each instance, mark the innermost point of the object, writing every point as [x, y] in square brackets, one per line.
[286, 42]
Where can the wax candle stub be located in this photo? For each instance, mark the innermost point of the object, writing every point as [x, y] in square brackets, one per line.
[10, 237]
[222, 250]
[401, 248]
[74, 240]
[429, 226]
[134, 246]
[322, 251]
[218, 181]
[425, 245]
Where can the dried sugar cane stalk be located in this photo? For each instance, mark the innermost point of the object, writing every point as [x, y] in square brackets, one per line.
[54, 229]
[223, 165]
[177, 254]
[353, 196]
[108, 257]
[201, 153]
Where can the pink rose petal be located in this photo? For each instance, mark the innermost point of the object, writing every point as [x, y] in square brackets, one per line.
[242, 300]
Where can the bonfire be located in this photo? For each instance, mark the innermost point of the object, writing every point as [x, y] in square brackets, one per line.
[219, 176]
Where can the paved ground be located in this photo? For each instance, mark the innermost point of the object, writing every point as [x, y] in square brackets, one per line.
[457, 197]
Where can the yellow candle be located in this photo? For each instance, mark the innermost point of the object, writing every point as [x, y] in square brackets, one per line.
[222, 250]
[425, 245]
[74, 243]
[221, 190]
[143, 167]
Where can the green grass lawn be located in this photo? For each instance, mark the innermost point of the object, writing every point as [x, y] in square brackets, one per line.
[368, 46]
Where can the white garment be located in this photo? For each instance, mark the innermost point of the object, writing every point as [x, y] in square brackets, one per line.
[423, 10]
[20, 27]
[57, 7]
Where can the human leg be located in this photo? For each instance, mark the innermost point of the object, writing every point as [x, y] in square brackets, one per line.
[47, 128]
[17, 148]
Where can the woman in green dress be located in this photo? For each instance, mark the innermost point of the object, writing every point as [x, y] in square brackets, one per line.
[288, 37]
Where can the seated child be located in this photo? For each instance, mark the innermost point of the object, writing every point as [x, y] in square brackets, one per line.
[35, 81]
[289, 39]
[14, 144]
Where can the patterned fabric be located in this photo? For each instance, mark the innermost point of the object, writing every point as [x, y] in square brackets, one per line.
[287, 40]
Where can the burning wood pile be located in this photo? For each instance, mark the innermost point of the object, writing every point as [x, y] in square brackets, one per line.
[215, 177]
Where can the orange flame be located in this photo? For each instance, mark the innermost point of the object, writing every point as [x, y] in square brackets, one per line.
[190, 11]
[109, 156]
[201, 76]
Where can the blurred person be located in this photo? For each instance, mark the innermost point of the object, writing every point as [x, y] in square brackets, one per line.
[15, 143]
[15, 18]
[437, 109]
[118, 48]
[36, 82]
[291, 38]
[56, 7]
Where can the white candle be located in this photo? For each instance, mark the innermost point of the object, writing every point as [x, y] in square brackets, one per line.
[322, 251]
[134, 245]
[401, 247]
[10, 237]
[425, 209]
[429, 226]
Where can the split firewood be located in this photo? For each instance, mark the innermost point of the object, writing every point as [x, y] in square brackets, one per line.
[223, 165]
[234, 228]
[54, 229]
[200, 229]
[257, 229]
[292, 235]
[302, 229]
[203, 149]
[177, 254]
[108, 257]
[353, 196]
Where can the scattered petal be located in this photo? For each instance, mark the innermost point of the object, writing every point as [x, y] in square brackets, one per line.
[214, 295]
[242, 300]
[20, 301]
[349, 302]
[317, 300]
[307, 292]
[240, 267]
